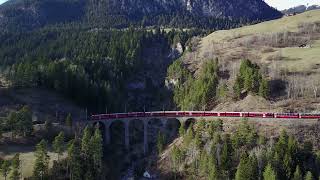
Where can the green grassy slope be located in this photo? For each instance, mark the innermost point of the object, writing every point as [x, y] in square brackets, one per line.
[290, 23]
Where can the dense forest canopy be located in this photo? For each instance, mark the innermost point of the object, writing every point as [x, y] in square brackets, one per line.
[89, 67]
[92, 67]
[205, 90]
[208, 152]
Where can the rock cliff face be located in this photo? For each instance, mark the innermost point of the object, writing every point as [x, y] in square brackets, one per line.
[37, 13]
[251, 9]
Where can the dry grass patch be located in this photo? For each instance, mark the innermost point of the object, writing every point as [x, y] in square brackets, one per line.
[27, 157]
[305, 58]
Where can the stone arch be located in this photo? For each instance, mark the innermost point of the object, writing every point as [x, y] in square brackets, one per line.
[172, 128]
[136, 127]
[189, 123]
[117, 133]
[155, 126]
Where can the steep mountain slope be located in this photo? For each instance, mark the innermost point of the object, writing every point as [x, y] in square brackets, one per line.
[29, 14]
[227, 40]
[286, 50]
[253, 9]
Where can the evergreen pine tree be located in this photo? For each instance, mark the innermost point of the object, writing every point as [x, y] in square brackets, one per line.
[74, 160]
[96, 146]
[308, 176]
[89, 175]
[15, 164]
[263, 88]
[281, 145]
[11, 122]
[215, 126]
[181, 131]
[247, 168]
[297, 174]
[277, 164]
[197, 141]
[226, 155]
[237, 88]
[26, 121]
[262, 140]
[242, 173]
[269, 173]
[69, 120]
[223, 91]
[58, 144]
[219, 125]
[85, 142]
[201, 125]
[5, 168]
[287, 163]
[212, 168]
[292, 148]
[248, 80]
[216, 139]
[160, 142]
[41, 166]
[176, 157]
[253, 167]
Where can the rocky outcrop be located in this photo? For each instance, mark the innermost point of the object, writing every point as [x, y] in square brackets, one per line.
[250, 9]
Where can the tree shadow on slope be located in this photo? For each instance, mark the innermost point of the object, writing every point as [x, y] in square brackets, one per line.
[277, 88]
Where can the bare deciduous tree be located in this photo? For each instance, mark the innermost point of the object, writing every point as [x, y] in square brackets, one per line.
[314, 88]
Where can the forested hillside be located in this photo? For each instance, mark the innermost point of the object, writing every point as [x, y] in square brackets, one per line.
[91, 68]
[100, 70]
[206, 151]
[209, 88]
[77, 48]
[20, 15]
[113, 56]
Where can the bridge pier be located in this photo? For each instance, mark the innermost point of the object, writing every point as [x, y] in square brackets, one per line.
[126, 134]
[164, 124]
[145, 136]
[182, 122]
[107, 133]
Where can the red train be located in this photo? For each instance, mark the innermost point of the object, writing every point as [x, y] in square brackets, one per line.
[205, 114]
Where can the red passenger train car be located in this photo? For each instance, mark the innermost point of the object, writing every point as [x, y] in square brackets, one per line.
[205, 114]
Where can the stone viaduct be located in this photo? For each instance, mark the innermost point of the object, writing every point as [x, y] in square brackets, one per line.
[105, 125]
[164, 124]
